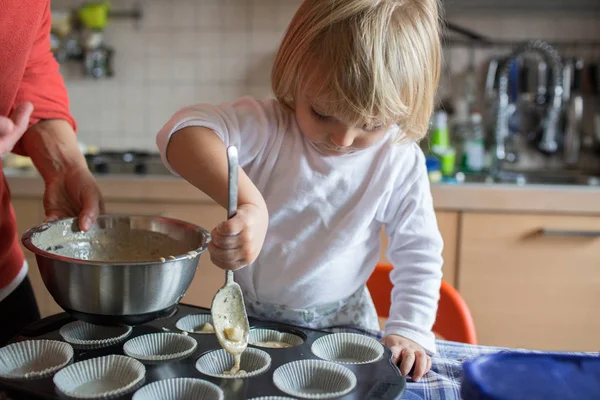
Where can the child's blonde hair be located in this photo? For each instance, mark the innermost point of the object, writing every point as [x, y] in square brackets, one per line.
[379, 59]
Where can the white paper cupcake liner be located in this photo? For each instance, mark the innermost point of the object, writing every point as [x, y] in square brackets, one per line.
[263, 337]
[102, 377]
[194, 323]
[314, 379]
[160, 347]
[179, 389]
[34, 359]
[348, 348]
[87, 336]
[215, 363]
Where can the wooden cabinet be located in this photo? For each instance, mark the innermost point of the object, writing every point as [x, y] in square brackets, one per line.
[29, 213]
[209, 278]
[448, 226]
[524, 288]
[531, 289]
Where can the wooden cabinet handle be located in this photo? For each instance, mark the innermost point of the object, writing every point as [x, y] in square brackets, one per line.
[570, 233]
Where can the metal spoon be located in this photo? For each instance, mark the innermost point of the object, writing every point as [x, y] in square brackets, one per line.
[228, 309]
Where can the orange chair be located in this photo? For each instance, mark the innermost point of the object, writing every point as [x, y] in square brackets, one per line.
[454, 321]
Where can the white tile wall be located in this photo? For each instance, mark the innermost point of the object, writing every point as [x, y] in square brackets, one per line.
[187, 51]
[550, 26]
[184, 51]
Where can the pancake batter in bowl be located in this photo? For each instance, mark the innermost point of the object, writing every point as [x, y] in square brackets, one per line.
[117, 244]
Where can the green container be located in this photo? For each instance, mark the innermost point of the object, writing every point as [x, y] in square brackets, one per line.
[94, 15]
[440, 137]
[448, 160]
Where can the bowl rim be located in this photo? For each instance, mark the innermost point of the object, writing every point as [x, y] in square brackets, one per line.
[27, 242]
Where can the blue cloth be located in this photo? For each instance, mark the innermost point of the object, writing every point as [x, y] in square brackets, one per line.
[532, 376]
[443, 382]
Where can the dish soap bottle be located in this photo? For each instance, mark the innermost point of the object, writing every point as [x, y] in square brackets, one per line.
[440, 143]
[473, 159]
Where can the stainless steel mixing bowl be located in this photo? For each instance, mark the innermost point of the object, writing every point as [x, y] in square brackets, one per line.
[84, 274]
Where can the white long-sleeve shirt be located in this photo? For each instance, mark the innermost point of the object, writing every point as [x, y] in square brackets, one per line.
[326, 213]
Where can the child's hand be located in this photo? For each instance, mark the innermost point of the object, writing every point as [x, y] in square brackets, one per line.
[237, 242]
[408, 355]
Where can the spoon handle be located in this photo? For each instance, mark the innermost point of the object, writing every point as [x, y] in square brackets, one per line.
[233, 167]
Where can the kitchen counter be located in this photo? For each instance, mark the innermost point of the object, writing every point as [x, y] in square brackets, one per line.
[496, 197]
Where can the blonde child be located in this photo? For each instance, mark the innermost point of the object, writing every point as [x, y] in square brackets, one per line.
[325, 166]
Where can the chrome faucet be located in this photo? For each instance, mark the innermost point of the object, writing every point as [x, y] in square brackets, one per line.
[548, 142]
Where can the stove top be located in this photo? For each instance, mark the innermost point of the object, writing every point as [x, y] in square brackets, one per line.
[126, 163]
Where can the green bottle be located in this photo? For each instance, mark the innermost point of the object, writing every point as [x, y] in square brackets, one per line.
[440, 143]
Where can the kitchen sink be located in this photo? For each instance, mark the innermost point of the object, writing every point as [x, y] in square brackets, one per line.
[533, 178]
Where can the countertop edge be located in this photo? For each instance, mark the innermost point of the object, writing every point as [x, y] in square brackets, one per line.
[476, 197]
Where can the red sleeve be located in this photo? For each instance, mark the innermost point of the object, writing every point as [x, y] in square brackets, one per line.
[42, 83]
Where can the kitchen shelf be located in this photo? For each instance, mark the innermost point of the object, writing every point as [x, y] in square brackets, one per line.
[521, 6]
[561, 44]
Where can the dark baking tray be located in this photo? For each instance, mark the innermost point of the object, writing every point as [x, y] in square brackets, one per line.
[376, 381]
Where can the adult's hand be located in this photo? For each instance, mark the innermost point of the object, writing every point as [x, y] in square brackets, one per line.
[14, 126]
[73, 193]
[71, 190]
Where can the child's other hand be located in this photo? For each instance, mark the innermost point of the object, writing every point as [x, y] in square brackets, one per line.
[237, 242]
[408, 355]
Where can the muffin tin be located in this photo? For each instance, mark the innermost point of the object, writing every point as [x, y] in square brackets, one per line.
[290, 372]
